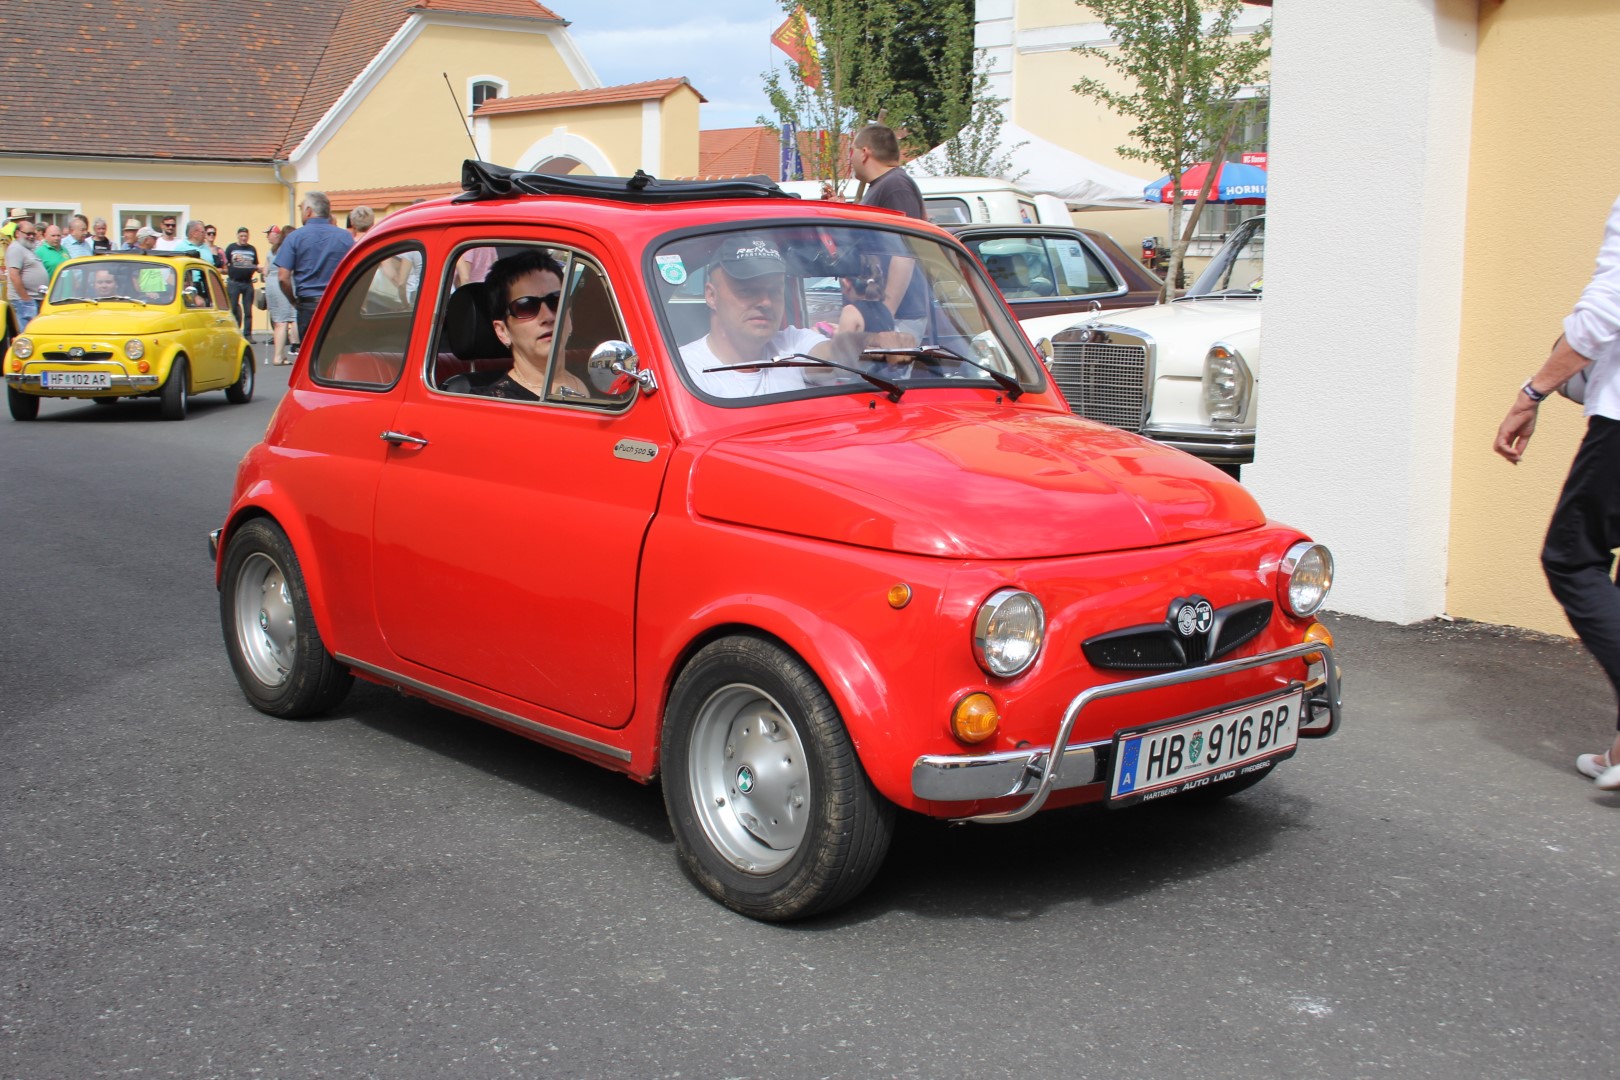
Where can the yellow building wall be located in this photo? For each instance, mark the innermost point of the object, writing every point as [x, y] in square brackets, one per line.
[1545, 158]
[614, 129]
[679, 134]
[225, 197]
[407, 130]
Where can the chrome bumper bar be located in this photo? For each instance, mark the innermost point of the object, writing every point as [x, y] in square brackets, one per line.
[213, 545]
[133, 382]
[961, 778]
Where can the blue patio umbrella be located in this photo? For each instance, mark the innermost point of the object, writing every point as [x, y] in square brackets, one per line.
[1234, 183]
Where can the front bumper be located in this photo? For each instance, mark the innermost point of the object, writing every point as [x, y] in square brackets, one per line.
[140, 383]
[1214, 445]
[1032, 772]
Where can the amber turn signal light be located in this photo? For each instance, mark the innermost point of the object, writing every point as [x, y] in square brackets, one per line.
[1317, 632]
[975, 718]
[899, 596]
[143, 367]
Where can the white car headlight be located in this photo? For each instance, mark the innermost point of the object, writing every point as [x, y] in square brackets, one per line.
[1008, 632]
[134, 348]
[1227, 383]
[1304, 578]
[22, 348]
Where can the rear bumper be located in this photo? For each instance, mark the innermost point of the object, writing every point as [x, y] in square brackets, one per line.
[1032, 772]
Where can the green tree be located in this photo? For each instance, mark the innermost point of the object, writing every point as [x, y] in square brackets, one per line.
[1185, 69]
[974, 147]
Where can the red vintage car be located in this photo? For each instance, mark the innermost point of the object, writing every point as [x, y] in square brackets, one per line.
[571, 456]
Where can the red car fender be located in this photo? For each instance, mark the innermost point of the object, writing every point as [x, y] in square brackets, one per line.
[262, 499]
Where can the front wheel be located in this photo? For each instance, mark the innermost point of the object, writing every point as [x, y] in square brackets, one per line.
[270, 633]
[175, 394]
[772, 812]
[240, 392]
[23, 406]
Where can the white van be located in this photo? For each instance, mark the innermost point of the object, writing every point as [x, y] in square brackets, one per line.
[965, 200]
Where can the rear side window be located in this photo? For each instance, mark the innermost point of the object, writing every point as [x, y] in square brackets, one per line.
[367, 334]
[1035, 267]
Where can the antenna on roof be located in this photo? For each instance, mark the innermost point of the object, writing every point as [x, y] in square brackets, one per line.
[461, 114]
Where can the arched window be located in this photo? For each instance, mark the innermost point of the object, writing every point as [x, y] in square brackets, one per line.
[484, 91]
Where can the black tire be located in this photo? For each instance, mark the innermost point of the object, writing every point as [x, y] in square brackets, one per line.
[23, 406]
[175, 394]
[240, 392]
[772, 812]
[270, 633]
[103, 401]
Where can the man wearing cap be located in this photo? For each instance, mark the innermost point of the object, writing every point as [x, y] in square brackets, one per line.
[241, 263]
[308, 257]
[9, 229]
[746, 290]
[132, 228]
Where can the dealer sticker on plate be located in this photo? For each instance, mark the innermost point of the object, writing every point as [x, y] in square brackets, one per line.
[1150, 763]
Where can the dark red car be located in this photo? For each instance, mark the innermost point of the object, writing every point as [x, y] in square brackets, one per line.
[571, 456]
[1055, 270]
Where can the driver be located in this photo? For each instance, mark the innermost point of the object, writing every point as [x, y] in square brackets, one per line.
[104, 283]
[746, 290]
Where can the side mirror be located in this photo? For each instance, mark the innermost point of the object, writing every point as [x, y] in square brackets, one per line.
[613, 369]
[189, 290]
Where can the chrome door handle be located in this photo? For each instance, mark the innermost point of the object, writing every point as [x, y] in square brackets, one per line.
[399, 438]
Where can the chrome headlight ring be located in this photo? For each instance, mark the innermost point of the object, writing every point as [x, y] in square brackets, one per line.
[1304, 578]
[1008, 632]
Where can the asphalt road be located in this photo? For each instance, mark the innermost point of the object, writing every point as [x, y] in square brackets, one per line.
[191, 889]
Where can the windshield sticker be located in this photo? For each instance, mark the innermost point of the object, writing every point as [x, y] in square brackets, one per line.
[672, 269]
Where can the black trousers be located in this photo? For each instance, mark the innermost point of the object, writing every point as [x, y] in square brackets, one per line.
[1578, 556]
[241, 296]
[304, 309]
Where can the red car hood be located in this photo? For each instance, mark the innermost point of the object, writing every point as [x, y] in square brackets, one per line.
[955, 482]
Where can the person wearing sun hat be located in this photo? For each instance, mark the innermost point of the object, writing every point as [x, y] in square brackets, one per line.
[13, 216]
[132, 230]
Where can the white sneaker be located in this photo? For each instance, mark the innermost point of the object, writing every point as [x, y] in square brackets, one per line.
[1593, 765]
[1609, 779]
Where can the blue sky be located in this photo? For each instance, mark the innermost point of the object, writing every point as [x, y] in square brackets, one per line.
[722, 46]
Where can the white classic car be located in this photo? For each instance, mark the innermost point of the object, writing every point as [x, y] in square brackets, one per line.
[1184, 373]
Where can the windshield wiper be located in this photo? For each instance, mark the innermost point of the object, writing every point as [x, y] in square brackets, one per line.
[893, 390]
[76, 300]
[939, 352]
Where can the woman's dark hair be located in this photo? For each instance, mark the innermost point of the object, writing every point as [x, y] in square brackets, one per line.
[498, 282]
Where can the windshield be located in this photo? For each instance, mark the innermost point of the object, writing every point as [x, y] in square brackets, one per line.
[1238, 269]
[771, 312]
[114, 280]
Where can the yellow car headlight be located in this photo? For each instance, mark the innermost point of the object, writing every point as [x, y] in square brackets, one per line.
[22, 348]
[134, 348]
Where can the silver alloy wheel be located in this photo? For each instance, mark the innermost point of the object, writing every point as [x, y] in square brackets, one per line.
[749, 778]
[245, 378]
[266, 621]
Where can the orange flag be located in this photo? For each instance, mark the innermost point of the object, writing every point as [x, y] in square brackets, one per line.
[793, 37]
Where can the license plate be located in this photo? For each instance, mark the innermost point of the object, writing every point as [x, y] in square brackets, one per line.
[76, 380]
[1150, 763]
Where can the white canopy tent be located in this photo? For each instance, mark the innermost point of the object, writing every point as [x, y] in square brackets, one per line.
[1049, 169]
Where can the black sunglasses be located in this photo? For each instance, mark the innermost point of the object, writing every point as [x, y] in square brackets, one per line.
[525, 308]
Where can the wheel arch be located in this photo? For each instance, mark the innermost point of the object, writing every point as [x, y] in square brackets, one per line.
[292, 525]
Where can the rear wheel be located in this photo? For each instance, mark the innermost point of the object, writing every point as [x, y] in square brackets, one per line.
[240, 392]
[175, 394]
[23, 406]
[270, 633]
[772, 812]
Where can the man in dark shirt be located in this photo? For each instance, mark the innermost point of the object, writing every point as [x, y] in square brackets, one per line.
[308, 257]
[241, 263]
[876, 159]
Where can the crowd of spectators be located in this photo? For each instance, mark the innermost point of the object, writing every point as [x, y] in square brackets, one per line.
[33, 250]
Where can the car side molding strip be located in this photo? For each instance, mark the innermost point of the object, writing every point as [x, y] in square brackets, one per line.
[554, 734]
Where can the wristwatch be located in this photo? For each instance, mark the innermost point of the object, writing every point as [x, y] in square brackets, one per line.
[1533, 394]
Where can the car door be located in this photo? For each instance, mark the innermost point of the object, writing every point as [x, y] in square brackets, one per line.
[198, 336]
[226, 334]
[508, 532]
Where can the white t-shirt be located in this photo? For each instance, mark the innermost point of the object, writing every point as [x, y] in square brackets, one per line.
[179, 243]
[730, 384]
[1593, 328]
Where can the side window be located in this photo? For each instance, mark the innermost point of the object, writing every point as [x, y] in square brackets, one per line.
[519, 323]
[947, 211]
[368, 333]
[217, 291]
[196, 289]
[1076, 269]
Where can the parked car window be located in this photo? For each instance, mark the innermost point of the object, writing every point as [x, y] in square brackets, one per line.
[367, 335]
[1025, 267]
[1239, 267]
[805, 296]
[943, 211]
[519, 323]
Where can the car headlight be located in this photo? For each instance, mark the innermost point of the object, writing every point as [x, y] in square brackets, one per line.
[1227, 383]
[1304, 578]
[22, 348]
[134, 348]
[1008, 631]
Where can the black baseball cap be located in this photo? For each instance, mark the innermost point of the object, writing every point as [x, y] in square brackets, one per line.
[748, 257]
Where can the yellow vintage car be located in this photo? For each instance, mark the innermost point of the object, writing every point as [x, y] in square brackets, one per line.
[125, 325]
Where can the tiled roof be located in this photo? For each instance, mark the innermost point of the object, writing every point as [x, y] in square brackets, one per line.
[739, 152]
[377, 198]
[220, 80]
[601, 95]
